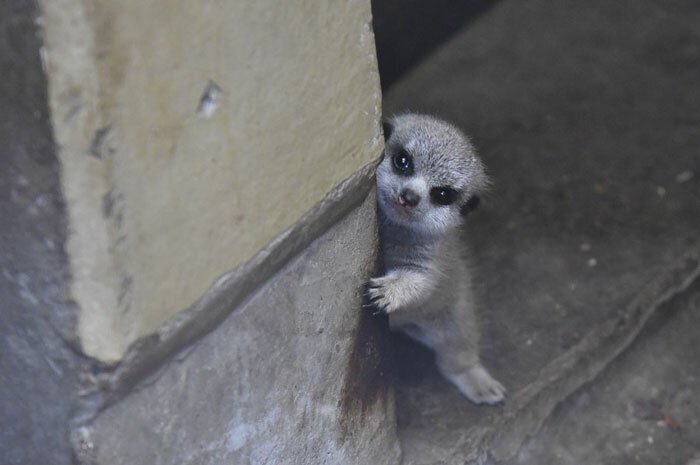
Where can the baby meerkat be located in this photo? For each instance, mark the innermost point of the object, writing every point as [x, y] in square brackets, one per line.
[428, 181]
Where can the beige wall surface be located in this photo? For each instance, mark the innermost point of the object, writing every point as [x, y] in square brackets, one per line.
[191, 134]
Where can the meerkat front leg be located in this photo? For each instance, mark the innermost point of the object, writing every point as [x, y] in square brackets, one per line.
[398, 288]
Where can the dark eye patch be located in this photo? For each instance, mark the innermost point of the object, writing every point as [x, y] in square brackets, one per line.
[403, 163]
[443, 195]
[470, 205]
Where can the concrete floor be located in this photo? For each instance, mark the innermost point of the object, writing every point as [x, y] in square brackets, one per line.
[587, 115]
[642, 410]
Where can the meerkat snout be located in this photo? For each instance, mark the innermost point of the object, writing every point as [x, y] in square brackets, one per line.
[408, 198]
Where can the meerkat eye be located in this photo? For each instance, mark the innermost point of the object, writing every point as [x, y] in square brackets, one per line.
[443, 195]
[403, 163]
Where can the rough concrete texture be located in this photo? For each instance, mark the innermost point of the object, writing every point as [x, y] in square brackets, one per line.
[195, 123]
[294, 376]
[38, 371]
[642, 410]
[586, 114]
[228, 292]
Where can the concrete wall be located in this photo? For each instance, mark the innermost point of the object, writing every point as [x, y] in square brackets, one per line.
[182, 274]
[190, 134]
[296, 375]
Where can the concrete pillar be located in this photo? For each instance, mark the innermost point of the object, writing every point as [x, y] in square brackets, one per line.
[212, 167]
[191, 134]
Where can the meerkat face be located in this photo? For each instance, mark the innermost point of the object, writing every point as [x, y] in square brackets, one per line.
[430, 176]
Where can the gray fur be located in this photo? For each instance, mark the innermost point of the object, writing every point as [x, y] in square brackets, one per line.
[427, 287]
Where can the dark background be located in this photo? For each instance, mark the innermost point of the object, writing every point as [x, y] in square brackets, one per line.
[406, 31]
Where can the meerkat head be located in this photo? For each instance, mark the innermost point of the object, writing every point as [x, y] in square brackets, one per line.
[430, 176]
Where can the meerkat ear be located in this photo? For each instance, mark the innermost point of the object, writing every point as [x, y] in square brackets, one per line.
[387, 128]
[470, 205]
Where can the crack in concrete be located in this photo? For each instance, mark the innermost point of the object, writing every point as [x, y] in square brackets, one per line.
[532, 406]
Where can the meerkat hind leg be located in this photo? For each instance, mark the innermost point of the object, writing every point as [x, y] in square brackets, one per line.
[470, 377]
[456, 359]
[456, 346]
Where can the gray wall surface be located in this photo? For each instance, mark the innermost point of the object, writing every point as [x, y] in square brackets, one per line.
[38, 370]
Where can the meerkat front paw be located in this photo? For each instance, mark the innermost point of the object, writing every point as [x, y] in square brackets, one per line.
[382, 293]
[479, 386]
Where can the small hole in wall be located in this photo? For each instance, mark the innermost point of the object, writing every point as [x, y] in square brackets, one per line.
[210, 100]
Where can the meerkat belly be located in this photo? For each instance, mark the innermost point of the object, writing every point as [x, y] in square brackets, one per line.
[445, 296]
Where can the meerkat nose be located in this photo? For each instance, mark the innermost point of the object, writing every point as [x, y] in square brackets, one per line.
[408, 198]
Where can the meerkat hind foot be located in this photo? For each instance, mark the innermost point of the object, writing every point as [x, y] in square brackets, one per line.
[478, 385]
